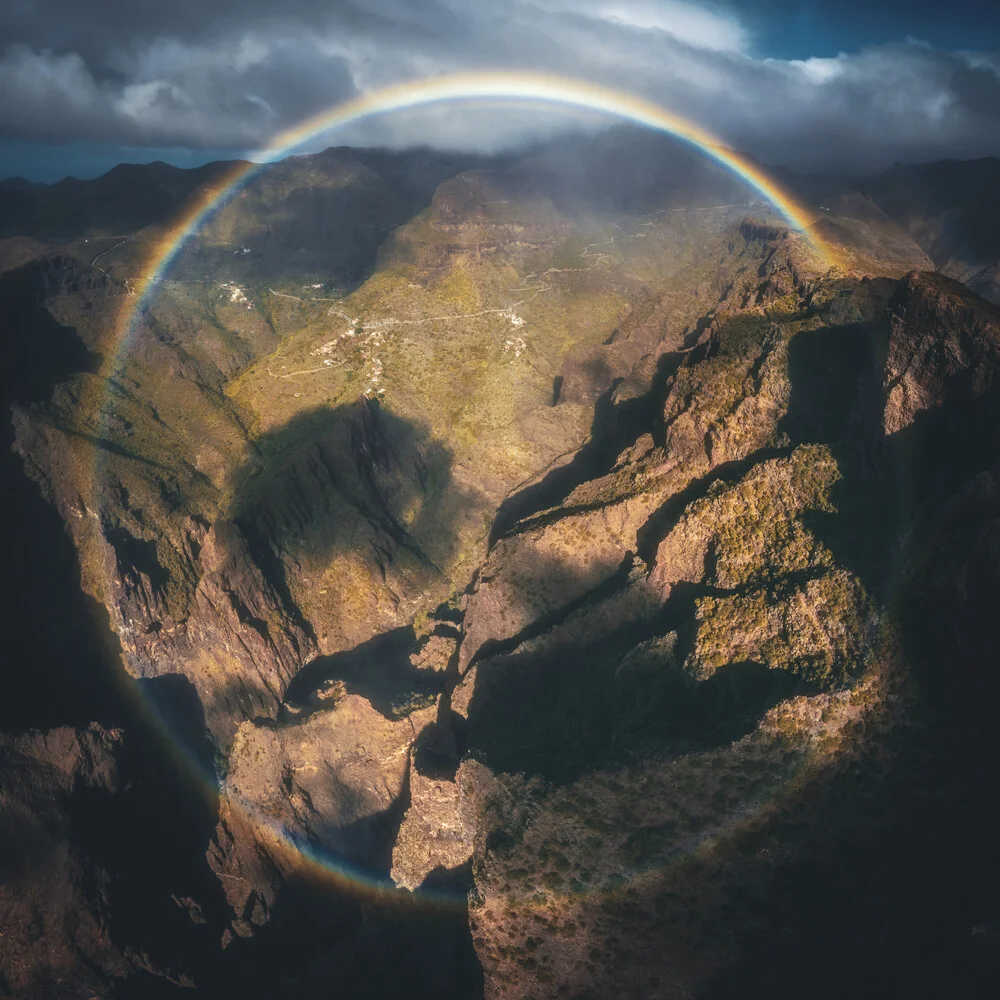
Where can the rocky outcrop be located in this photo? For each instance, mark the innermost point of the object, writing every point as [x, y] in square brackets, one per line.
[930, 401]
[332, 787]
[237, 642]
[324, 500]
[652, 670]
[942, 349]
[744, 614]
[723, 402]
[437, 830]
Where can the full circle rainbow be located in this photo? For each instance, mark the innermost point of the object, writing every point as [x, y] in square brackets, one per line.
[542, 88]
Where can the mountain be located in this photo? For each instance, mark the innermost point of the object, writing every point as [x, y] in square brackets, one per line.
[17, 184]
[950, 210]
[533, 575]
[124, 199]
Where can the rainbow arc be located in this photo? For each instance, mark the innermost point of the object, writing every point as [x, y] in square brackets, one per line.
[462, 87]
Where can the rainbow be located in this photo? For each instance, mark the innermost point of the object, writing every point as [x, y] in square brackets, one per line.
[450, 88]
[542, 88]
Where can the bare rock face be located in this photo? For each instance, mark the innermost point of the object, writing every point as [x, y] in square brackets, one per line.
[435, 832]
[238, 522]
[930, 399]
[336, 781]
[942, 418]
[238, 644]
[943, 347]
[329, 778]
[53, 916]
[745, 629]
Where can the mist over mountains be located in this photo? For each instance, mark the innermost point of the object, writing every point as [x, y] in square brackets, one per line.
[944, 209]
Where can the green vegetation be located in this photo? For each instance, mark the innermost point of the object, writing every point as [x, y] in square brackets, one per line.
[778, 597]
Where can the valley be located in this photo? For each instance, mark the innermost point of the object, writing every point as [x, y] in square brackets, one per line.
[511, 567]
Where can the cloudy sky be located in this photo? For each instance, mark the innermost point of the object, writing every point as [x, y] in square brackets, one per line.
[854, 83]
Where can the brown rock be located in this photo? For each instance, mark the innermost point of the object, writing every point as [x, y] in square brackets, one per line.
[53, 924]
[943, 347]
[432, 834]
[334, 779]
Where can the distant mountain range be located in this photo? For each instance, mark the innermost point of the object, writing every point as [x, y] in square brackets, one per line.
[947, 209]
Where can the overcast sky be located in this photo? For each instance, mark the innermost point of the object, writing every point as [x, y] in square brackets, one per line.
[87, 83]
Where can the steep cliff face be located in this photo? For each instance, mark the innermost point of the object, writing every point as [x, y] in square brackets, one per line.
[941, 350]
[929, 404]
[940, 399]
[666, 647]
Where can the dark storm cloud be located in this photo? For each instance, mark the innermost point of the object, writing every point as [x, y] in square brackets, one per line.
[216, 73]
[101, 31]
